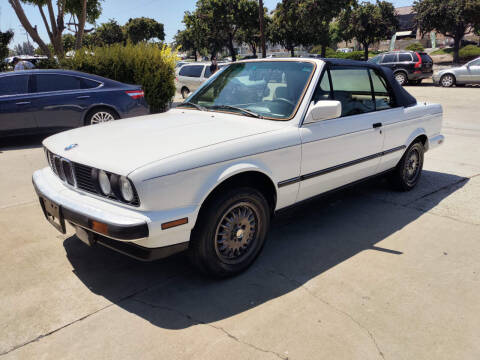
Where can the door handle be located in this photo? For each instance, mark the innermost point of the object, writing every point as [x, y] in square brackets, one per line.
[23, 103]
[377, 125]
[83, 97]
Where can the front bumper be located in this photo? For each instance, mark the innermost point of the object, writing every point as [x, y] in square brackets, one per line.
[122, 229]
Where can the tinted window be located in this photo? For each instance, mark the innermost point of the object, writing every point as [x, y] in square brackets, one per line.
[12, 85]
[383, 98]
[404, 57]
[322, 92]
[389, 58]
[53, 82]
[88, 84]
[351, 86]
[191, 70]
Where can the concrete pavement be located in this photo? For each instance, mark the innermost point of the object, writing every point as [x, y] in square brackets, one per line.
[364, 274]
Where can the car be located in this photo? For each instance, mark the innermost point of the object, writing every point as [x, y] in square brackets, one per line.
[459, 76]
[191, 76]
[41, 101]
[409, 67]
[208, 175]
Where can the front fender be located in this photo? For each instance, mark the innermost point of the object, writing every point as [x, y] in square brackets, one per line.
[415, 134]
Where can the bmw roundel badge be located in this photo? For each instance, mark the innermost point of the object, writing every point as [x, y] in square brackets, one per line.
[71, 146]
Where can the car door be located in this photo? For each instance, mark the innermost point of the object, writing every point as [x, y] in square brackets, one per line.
[193, 76]
[59, 101]
[16, 110]
[390, 60]
[340, 151]
[474, 71]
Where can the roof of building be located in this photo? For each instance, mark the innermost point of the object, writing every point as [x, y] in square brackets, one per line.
[404, 10]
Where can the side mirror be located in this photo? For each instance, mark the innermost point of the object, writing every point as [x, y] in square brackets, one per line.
[323, 110]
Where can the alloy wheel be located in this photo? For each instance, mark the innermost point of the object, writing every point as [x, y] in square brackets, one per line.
[101, 117]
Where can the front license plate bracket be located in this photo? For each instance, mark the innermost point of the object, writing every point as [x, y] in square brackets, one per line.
[53, 213]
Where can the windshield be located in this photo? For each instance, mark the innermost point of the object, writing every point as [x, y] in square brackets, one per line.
[270, 90]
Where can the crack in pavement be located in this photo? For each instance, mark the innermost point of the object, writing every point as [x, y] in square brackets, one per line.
[127, 297]
[338, 310]
[200, 322]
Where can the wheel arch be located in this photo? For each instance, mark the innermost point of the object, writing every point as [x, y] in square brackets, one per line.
[418, 135]
[241, 175]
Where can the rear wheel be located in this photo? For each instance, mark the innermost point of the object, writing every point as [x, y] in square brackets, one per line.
[401, 78]
[408, 171]
[230, 232]
[447, 80]
[100, 115]
[185, 92]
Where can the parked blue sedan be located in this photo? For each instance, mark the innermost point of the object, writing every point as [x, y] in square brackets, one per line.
[35, 101]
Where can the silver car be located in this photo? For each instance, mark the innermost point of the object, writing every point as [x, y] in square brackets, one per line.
[460, 76]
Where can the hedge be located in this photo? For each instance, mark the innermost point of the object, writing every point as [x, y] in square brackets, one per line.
[415, 47]
[140, 64]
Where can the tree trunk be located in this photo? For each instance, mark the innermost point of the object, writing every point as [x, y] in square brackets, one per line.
[365, 49]
[232, 49]
[324, 51]
[32, 31]
[254, 49]
[292, 51]
[81, 26]
[195, 54]
[456, 49]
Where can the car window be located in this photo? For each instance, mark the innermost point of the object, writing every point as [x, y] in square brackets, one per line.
[191, 70]
[88, 84]
[383, 99]
[14, 84]
[404, 57]
[376, 59]
[55, 82]
[323, 90]
[389, 58]
[475, 62]
[351, 86]
[208, 73]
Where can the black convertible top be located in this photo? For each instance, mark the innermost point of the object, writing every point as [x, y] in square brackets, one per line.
[403, 98]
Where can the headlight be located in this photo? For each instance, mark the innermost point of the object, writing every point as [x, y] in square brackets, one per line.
[104, 182]
[126, 189]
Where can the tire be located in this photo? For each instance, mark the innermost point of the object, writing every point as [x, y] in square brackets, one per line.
[99, 115]
[447, 80]
[409, 170]
[185, 92]
[230, 232]
[401, 78]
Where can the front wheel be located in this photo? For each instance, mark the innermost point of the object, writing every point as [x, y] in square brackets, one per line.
[230, 232]
[185, 92]
[408, 171]
[447, 80]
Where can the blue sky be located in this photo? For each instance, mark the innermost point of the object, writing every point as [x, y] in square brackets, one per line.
[170, 13]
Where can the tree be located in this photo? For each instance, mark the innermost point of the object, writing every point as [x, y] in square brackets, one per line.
[195, 36]
[24, 49]
[144, 29]
[55, 22]
[249, 25]
[108, 33]
[288, 25]
[368, 23]
[319, 14]
[452, 18]
[5, 38]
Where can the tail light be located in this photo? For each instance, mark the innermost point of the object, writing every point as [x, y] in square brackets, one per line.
[418, 64]
[135, 94]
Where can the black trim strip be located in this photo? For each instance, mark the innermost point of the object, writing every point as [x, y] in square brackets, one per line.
[338, 167]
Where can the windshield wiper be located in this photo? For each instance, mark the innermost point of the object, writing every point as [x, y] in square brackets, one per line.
[230, 107]
[198, 107]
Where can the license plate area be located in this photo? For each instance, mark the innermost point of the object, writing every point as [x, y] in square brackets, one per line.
[53, 213]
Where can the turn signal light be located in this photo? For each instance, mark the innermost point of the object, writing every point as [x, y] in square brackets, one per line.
[99, 227]
[174, 223]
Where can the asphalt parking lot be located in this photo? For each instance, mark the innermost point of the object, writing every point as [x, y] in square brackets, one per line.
[364, 274]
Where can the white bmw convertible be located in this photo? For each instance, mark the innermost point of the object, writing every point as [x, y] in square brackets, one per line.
[209, 175]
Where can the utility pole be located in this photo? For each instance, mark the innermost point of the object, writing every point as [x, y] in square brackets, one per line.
[262, 29]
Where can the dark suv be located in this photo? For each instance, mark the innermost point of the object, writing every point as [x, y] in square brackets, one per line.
[408, 66]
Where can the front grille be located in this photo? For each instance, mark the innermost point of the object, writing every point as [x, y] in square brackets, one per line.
[83, 177]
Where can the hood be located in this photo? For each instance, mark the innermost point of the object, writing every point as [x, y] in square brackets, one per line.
[122, 146]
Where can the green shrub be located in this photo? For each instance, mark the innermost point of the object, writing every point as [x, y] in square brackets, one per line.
[469, 52]
[355, 55]
[142, 64]
[47, 64]
[415, 47]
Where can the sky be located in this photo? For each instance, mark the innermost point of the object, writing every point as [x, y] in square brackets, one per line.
[168, 12]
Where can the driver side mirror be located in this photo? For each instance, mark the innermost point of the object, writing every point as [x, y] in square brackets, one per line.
[323, 110]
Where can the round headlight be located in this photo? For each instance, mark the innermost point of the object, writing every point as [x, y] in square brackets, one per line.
[104, 182]
[126, 189]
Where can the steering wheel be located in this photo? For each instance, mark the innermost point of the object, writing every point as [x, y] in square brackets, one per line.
[290, 102]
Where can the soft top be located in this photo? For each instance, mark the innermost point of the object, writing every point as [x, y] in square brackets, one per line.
[402, 96]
